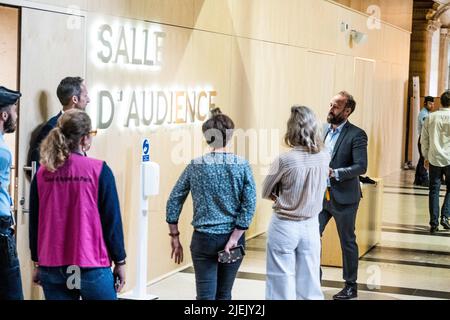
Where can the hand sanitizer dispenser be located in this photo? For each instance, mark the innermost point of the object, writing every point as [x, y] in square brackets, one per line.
[150, 179]
[149, 187]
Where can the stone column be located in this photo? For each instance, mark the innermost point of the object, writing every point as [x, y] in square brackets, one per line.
[443, 60]
[432, 27]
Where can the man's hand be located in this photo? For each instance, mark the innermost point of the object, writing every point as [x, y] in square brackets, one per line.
[427, 165]
[177, 250]
[331, 173]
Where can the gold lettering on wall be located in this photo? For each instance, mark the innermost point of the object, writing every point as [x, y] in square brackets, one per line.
[154, 108]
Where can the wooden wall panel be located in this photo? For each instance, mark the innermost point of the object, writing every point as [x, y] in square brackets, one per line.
[298, 75]
[324, 24]
[176, 12]
[300, 22]
[321, 68]
[380, 133]
[261, 19]
[364, 96]
[9, 41]
[345, 74]
[67, 4]
[397, 122]
[213, 15]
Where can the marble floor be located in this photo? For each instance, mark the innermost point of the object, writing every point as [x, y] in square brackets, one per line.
[409, 262]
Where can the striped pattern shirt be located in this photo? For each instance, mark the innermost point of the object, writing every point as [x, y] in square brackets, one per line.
[298, 180]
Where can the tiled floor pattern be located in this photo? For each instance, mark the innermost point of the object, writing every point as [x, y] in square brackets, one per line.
[409, 263]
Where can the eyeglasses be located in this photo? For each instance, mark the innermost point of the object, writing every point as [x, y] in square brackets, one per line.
[93, 133]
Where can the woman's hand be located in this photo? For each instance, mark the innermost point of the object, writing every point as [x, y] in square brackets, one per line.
[234, 240]
[119, 277]
[177, 250]
[36, 277]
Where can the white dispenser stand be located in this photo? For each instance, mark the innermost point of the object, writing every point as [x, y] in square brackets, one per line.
[149, 182]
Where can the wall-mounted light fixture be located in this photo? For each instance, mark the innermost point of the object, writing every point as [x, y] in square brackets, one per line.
[358, 37]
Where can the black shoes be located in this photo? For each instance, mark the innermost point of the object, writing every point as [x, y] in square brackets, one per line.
[347, 293]
[425, 183]
[434, 229]
[445, 223]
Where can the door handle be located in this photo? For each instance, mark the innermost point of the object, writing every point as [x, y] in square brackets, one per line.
[33, 170]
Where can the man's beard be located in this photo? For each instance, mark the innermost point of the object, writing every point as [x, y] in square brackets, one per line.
[335, 119]
[9, 126]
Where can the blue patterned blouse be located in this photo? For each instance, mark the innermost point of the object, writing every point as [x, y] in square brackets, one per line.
[223, 193]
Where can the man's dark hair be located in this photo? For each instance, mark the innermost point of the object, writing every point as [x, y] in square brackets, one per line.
[68, 88]
[445, 99]
[351, 103]
[429, 99]
[218, 130]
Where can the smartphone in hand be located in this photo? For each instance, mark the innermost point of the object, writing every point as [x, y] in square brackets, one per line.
[235, 254]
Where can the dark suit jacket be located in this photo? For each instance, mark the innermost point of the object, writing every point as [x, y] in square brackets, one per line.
[43, 133]
[350, 159]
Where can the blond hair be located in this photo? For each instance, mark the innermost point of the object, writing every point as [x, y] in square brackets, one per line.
[72, 126]
[303, 130]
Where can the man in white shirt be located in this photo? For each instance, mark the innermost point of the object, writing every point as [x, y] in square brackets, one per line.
[436, 151]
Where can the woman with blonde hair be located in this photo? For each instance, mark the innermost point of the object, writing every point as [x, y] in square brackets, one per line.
[297, 182]
[75, 220]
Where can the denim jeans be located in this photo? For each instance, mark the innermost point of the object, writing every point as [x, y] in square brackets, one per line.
[435, 186]
[421, 172]
[66, 283]
[10, 279]
[214, 280]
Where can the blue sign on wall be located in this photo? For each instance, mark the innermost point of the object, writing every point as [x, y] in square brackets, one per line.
[146, 151]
